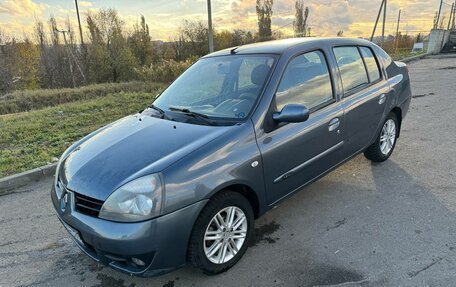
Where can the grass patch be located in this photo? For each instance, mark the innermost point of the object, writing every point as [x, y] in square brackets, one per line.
[32, 139]
[403, 53]
[27, 100]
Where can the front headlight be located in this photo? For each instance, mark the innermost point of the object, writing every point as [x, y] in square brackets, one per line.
[138, 200]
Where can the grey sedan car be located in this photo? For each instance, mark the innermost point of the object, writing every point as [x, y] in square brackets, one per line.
[241, 130]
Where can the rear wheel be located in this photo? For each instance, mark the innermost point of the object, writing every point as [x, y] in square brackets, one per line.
[384, 145]
[221, 233]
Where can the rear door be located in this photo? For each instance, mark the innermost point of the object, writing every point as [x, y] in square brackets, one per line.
[365, 93]
[295, 153]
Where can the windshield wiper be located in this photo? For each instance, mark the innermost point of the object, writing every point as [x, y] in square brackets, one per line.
[162, 112]
[188, 112]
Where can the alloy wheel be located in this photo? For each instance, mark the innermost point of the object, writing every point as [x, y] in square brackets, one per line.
[388, 136]
[225, 235]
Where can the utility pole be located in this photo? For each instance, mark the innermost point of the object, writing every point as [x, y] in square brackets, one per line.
[384, 22]
[451, 17]
[382, 6]
[79, 21]
[376, 21]
[453, 26]
[442, 45]
[64, 32]
[397, 28]
[438, 15]
[209, 20]
[70, 55]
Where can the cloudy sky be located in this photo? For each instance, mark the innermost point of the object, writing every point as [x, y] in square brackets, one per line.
[355, 17]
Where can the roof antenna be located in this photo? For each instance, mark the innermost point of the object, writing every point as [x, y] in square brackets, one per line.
[233, 51]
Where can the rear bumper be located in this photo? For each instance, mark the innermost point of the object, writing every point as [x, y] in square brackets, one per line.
[161, 243]
[405, 105]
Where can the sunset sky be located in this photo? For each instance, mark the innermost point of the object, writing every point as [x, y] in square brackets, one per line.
[355, 17]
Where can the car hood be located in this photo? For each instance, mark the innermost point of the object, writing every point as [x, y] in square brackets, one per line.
[127, 149]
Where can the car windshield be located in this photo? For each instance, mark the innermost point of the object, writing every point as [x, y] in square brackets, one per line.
[219, 87]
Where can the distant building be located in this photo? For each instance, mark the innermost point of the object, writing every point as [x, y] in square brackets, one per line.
[418, 48]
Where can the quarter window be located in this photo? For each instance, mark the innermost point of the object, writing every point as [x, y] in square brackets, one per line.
[351, 68]
[305, 81]
[371, 64]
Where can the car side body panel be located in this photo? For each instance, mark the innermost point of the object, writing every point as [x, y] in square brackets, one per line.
[229, 160]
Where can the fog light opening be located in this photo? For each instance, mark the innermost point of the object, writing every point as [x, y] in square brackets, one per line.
[138, 262]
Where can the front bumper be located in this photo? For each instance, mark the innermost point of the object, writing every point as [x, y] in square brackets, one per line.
[161, 243]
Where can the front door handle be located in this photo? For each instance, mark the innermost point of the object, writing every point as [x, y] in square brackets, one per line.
[381, 99]
[334, 124]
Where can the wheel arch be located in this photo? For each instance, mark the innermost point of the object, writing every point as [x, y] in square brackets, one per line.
[398, 112]
[245, 190]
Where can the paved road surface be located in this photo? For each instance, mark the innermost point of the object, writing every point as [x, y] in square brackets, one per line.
[390, 224]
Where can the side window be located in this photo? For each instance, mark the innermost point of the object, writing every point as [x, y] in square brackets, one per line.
[351, 68]
[371, 64]
[305, 81]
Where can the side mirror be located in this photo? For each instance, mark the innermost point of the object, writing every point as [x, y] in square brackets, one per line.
[292, 113]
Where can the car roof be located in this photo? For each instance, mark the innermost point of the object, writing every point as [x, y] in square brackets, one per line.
[281, 46]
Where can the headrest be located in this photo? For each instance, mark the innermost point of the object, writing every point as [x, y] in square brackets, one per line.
[259, 74]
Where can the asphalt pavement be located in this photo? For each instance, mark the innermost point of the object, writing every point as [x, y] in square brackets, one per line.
[389, 224]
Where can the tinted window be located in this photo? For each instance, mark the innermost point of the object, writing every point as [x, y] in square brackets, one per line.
[371, 64]
[351, 67]
[305, 81]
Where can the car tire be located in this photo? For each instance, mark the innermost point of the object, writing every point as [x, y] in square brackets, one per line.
[206, 227]
[385, 142]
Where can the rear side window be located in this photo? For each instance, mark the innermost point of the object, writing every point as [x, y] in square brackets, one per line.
[371, 64]
[306, 81]
[351, 68]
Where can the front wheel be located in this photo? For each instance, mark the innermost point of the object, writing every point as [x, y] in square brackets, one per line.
[384, 145]
[221, 233]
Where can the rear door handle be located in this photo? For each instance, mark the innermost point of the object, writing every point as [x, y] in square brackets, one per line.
[382, 99]
[334, 124]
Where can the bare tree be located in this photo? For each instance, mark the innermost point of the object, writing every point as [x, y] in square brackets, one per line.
[192, 39]
[6, 78]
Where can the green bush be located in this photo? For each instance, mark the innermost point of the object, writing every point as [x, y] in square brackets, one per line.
[27, 100]
[165, 71]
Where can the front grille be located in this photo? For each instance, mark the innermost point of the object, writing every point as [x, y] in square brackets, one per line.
[87, 205]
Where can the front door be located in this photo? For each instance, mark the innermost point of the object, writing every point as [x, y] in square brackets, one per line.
[295, 153]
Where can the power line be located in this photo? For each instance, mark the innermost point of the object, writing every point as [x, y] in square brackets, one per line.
[281, 27]
[397, 29]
